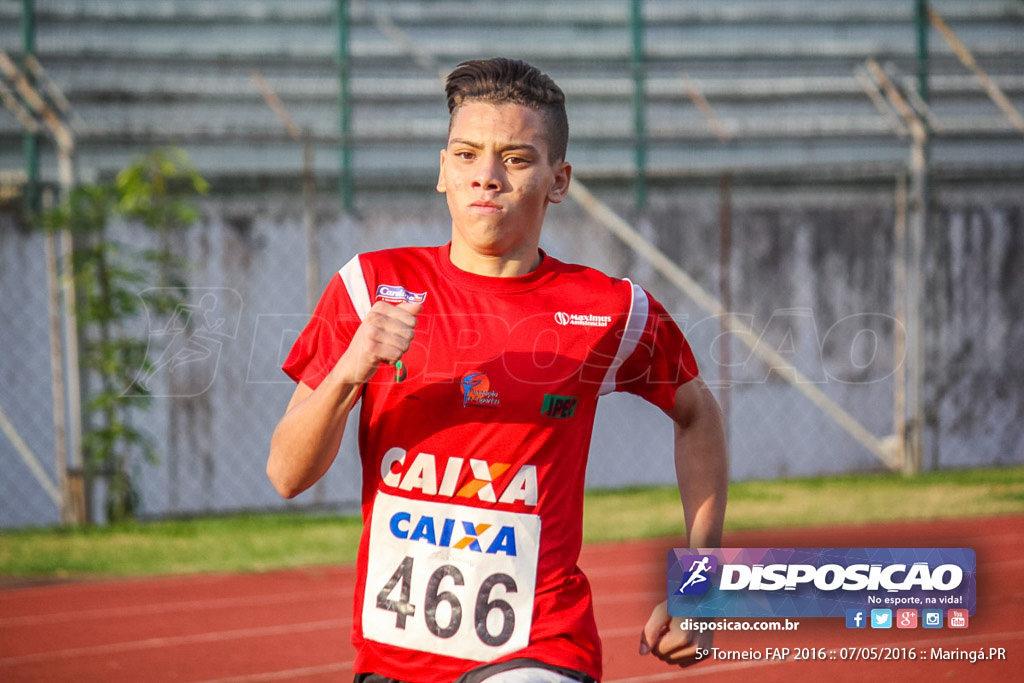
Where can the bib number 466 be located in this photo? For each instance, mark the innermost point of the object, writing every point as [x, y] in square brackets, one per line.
[494, 619]
[450, 580]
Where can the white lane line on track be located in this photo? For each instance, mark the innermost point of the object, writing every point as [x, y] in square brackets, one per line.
[173, 641]
[169, 607]
[712, 668]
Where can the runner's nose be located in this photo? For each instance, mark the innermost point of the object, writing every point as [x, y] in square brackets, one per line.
[488, 174]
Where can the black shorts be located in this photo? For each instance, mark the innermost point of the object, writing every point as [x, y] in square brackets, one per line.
[482, 672]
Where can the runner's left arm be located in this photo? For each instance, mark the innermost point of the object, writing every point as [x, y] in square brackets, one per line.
[702, 471]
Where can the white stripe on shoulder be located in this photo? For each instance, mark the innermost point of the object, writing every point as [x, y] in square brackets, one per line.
[631, 333]
[352, 276]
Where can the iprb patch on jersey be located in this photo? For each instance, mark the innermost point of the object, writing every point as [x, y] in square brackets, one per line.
[450, 579]
[397, 294]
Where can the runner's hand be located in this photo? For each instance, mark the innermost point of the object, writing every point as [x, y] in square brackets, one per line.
[664, 638]
[383, 336]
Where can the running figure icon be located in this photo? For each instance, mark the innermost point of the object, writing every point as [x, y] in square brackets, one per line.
[697, 571]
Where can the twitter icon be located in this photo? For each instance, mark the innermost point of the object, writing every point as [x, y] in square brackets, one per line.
[881, 618]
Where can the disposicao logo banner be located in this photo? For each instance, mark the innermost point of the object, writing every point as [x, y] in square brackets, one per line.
[817, 582]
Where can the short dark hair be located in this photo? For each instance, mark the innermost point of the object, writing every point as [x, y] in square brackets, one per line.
[512, 81]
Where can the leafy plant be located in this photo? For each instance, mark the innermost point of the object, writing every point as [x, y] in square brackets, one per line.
[114, 280]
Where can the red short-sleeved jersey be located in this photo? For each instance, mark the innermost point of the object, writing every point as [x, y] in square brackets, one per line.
[473, 464]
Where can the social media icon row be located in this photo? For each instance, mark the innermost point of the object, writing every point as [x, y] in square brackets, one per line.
[905, 618]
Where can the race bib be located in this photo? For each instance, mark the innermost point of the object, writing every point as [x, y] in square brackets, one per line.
[450, 579]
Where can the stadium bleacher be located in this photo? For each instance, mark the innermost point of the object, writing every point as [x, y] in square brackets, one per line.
[780, 79]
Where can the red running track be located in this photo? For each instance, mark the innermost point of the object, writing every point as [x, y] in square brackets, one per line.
[294, 625]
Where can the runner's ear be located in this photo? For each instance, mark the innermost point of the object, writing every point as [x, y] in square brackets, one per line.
[441, 186]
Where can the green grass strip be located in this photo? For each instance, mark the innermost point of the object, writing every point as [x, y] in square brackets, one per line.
[819, 501]
[238, 543]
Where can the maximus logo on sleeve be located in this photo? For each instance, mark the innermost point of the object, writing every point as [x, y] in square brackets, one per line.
[582, 319]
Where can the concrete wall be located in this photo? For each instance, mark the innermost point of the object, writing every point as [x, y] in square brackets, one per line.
[811, 274]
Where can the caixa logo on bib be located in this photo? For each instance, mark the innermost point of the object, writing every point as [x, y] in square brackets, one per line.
[817, 582]
[452, 533]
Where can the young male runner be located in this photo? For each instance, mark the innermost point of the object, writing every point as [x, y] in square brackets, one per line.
[479, 365]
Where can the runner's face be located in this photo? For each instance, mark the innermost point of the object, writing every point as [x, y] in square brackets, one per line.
[498, 179]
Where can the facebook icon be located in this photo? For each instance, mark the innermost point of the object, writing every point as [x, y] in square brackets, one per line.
[856, 618]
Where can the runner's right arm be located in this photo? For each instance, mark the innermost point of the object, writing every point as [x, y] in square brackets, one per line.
[308, 436]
